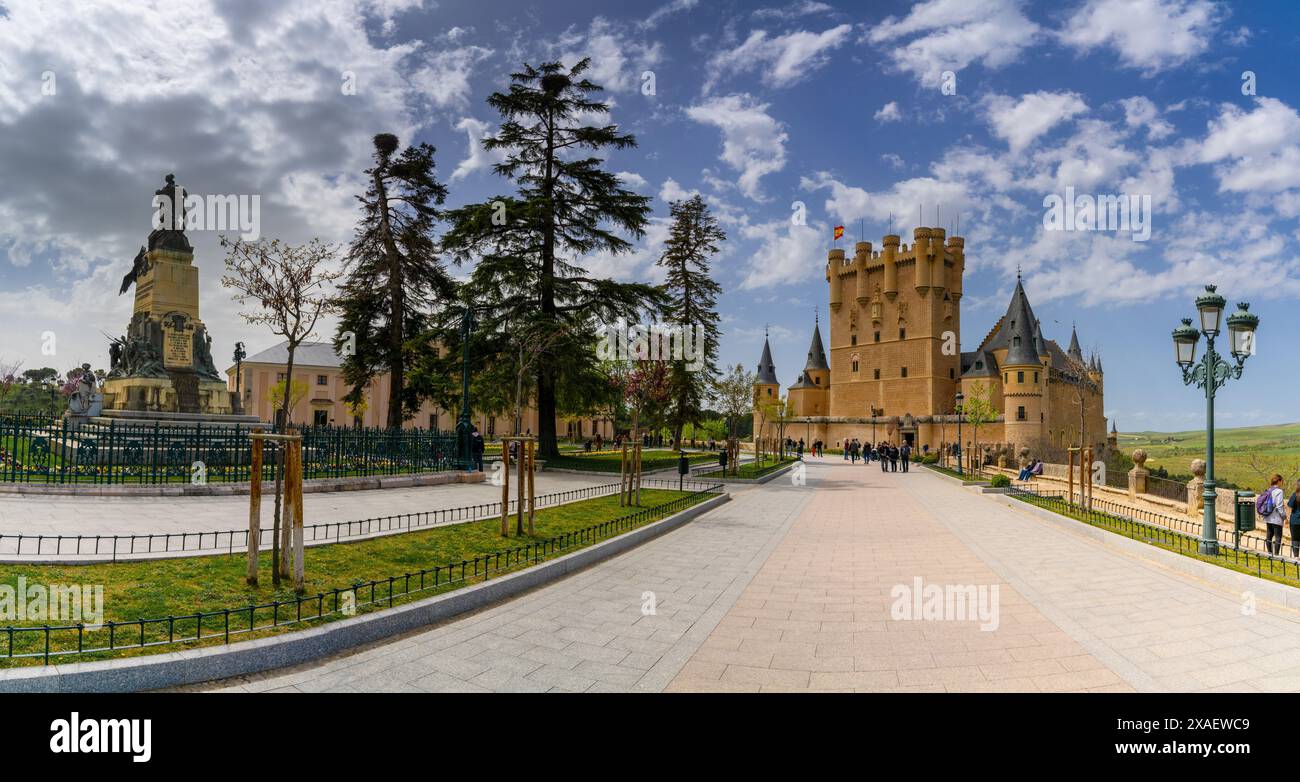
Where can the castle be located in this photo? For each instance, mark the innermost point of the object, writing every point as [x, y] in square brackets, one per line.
[895, 366]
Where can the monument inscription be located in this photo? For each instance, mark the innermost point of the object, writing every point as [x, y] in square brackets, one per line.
[178, 348]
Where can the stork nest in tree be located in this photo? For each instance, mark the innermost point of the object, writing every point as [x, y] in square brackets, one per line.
[385, 143]
[554, 83]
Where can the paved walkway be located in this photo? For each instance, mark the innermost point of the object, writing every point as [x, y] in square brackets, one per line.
[791, 588]
[61, 514]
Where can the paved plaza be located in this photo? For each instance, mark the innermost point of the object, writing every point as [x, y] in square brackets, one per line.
[65, 514]
[789, 588]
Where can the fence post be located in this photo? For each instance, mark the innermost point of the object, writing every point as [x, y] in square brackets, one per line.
[295, 489]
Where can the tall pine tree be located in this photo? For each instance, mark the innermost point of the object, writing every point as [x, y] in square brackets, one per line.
[394, 275]
[565, 205]
[692, 300]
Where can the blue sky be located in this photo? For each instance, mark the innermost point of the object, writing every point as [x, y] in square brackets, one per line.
[840, 106]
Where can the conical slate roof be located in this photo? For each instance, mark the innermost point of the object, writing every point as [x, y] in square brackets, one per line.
[1020, 329]
[1075, 351]
[766, 369]
[816, 353]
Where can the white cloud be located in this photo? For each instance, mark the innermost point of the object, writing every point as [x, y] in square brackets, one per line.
[617, 59]
[753, 143]
[1019, 122]
[783, 60]
[1140, 112]
[672, 191]
[787, 254]
[476, 157]
[1255, 150]
[848, 203]
[1149, 35]
[666, 10]
[888, 113]
[949, 35]
[793, 11]
[444, 76]
[631, 179]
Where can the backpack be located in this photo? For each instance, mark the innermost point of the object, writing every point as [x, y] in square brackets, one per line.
[1264, 505]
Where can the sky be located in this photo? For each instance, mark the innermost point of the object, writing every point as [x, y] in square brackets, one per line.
[789, 119]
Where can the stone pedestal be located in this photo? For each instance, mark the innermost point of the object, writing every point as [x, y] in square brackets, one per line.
[1196, 488]
[1137, 477]
[164, 362]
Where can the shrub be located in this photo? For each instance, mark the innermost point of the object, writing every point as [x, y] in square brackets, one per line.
[1000, 481]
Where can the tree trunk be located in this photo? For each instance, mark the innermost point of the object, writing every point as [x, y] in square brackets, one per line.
[279, 531]
[397, 365]
[545, 377]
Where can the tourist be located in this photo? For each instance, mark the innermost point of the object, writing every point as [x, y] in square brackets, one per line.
[1038, 468]
[853, 451]
[884, 457]
[1294, 505]
[476, 448]
[905, 454]
[1027, 471]
[799, 450]
[893, 458]
[722, 459]
[1269, 505]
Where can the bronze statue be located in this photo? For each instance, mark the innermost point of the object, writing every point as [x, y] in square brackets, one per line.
[139, 266]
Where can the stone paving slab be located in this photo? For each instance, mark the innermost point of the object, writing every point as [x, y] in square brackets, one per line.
[585, 633]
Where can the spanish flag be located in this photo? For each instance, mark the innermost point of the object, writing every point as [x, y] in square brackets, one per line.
[839, 232]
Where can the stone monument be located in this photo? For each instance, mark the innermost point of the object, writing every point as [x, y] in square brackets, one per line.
[162, 368]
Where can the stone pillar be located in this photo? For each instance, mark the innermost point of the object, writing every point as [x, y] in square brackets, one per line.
[1195, 487]
[1137, 477]
[1023, 460]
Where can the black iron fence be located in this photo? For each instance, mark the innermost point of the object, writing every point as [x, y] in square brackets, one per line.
[64, 641]
[139, 545]
[36, 449]
[1181, 534]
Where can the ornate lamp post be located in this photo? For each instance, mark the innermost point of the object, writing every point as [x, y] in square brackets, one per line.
[1211, 372]
[464, 447]
[240, 355]
[957, 408]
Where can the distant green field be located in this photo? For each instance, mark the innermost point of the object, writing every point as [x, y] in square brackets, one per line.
[1246, 455]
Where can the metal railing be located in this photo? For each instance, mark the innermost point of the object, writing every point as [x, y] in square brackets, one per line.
[1182, 534]
[80, 639]
[111, 547]
[37, 449]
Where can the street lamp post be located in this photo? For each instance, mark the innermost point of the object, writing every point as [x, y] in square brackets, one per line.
[240, 355]
[957, 408]
[464, 447]
[1211, 372]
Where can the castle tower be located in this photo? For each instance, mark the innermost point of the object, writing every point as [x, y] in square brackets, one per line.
[1023, 372]
[767, 389]
[809, 396]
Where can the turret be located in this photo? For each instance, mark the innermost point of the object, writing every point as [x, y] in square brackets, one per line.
[891, 268]
[834, 260]
[938, 277]
[767, 388]
[957, 249]
[921, 251]
[862, 254]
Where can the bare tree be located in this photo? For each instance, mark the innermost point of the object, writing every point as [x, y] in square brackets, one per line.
[1082, 389]
[288, 288]
[734, 393]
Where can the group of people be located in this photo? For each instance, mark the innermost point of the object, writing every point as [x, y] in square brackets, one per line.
[1278, 509]
[888, 454]
[1031, 470]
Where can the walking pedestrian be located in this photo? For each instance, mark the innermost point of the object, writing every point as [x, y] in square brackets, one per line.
[1294, 505]
[906, 455]
[1269, 505]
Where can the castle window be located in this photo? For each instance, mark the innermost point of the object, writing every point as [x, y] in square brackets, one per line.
[853, 340]
[1035, 378]
[1015, 342]
[877, 374]
[877, 336]
[904, 372]
[952, 373]
[902, 333]
[1020, 377]
[817, 380]
[1020, 413]
[769, 392]
[979, 364]
[855, 367]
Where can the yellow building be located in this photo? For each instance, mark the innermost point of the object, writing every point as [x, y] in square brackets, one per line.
[895, 365]
[318, 369]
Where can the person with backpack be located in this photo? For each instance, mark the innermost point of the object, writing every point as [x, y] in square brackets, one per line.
[905, 455]
[1269, 505]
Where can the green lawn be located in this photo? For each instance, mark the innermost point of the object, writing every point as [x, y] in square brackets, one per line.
[751, 469]
[1245, 456]
[176, 587]
[609, 461]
